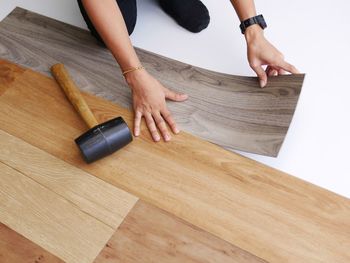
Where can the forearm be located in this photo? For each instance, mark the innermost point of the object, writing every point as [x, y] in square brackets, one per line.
[109, 22]
[246, 9]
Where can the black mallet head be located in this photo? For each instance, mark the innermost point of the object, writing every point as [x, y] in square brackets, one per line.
[104, 139]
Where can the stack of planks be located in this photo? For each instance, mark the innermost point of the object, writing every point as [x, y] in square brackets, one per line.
[183, 201]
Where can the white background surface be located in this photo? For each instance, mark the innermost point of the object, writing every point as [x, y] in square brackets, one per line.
[314, 35]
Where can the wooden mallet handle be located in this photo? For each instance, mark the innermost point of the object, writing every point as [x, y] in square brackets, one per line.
[73, 94]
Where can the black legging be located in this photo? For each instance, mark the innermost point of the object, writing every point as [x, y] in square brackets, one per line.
[128, 10]
[191, 14]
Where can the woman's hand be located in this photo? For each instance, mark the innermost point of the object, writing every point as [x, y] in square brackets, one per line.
[149, 97]
[262, 52]
[148, 94]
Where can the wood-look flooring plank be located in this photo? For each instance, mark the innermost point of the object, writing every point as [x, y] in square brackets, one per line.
[8, 73]
[152, 233]
[49, 220]
[15, 248]
[149, 234]
[268, 213]
[103, 201]
[65, 210]
[231, 111]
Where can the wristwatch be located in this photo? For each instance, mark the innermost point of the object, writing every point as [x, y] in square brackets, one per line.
[252, 21]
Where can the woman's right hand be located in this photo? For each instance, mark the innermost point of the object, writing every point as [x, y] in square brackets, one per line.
[148, 94]
[149, 101]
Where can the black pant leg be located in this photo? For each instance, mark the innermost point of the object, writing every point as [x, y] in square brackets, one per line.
[190, 14]
[128, 9]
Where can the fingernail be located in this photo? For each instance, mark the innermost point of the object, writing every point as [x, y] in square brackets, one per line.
[177, 130]
[167, 137]
[156, 138]
[183, 95]
[137, 133]
[262, 83]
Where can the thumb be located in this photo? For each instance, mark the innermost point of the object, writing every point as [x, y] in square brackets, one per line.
[260, 72]
[171, 95]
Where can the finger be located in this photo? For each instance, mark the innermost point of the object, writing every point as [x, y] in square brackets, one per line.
[137, 123]
[273, 73]
[281, 71]
[260, 72]
[270, 71]
[161, 126]
[171, 95]
[288, 67]
[169, 119]
[151, 126]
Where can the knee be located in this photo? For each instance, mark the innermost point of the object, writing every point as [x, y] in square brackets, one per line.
[199, 19]
[190, 14]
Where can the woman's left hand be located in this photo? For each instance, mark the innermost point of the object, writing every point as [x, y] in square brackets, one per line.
[261, 52]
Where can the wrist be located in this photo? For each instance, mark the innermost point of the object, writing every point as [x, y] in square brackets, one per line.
[253, 33]
[135, 76]
[127, 61]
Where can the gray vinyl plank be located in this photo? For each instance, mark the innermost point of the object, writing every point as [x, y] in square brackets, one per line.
[231, 111]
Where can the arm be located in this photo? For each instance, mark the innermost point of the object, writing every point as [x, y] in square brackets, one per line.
[149, 95]
[260, 51]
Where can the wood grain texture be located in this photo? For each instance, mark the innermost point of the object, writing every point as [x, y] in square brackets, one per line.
[15, 248]
[149, 234]
[231, 111]
[48, 220]
[106, 203]
[153, 234]
[61, 208]
[8, 73]
[268, 213]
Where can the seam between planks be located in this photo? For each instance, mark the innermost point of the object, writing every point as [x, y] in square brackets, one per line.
[61, 196]
[136, 195]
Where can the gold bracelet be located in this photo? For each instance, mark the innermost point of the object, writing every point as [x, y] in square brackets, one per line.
[132, 69]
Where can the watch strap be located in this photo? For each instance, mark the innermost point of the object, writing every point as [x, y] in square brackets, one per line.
[259, 19]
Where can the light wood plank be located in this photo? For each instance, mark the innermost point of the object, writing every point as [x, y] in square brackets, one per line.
[15, 248]
[231, 111]
[49, 220]
[101, 200]
[64, 209]
[270, 214]
[149, 234]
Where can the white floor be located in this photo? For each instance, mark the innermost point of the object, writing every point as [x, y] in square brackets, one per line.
[313, 35]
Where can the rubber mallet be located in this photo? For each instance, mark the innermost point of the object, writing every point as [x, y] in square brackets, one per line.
[101, 139]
